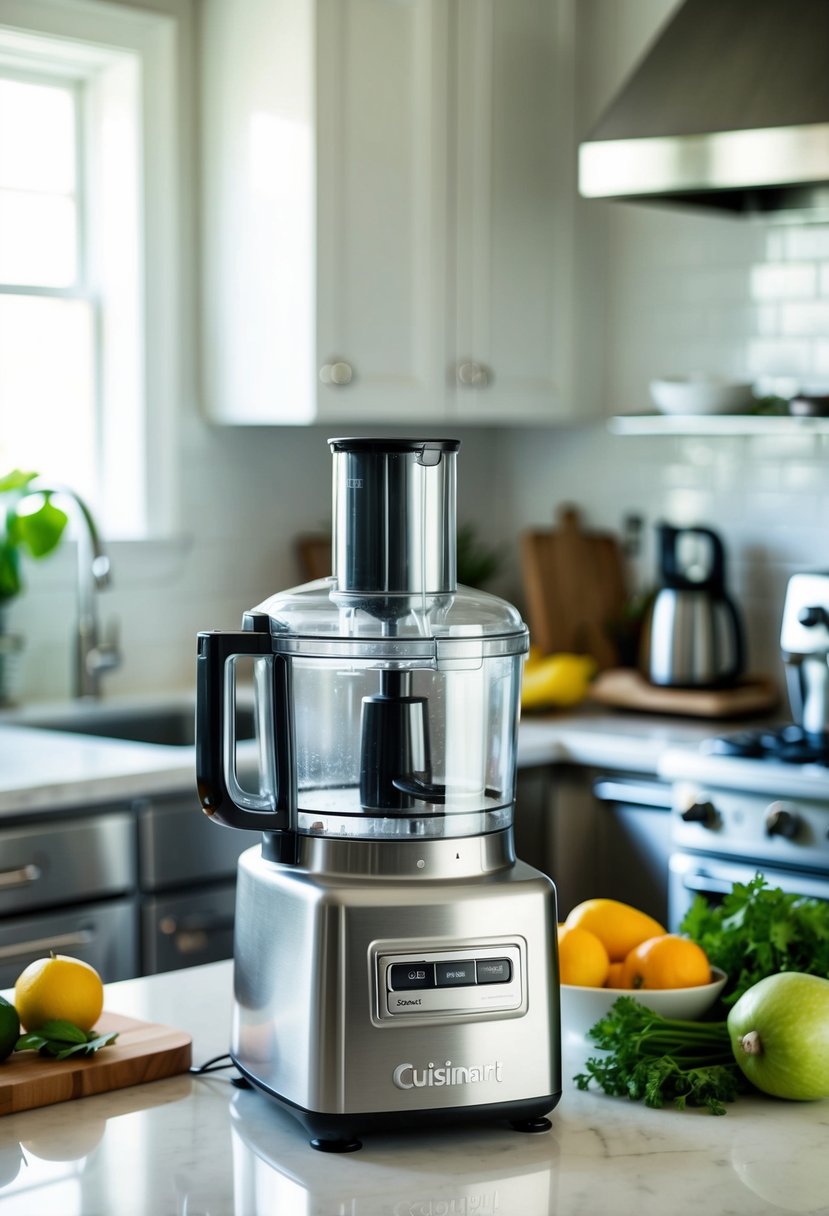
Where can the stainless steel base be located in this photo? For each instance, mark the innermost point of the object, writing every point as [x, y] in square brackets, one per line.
[313, 957]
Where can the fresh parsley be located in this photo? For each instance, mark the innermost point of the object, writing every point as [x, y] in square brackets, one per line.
[759, 930]
[61, 1039]
[655, 1060]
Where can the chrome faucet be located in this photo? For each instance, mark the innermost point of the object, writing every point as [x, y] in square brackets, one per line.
[94, 656]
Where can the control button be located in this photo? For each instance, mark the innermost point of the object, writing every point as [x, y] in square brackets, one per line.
[494, 971]
[411, 975]
[455, 975]
[700, 812]
[782, 822]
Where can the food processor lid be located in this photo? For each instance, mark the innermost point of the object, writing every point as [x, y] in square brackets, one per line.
[312, 620]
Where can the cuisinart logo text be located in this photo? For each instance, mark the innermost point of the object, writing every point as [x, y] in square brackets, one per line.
[406, 1076]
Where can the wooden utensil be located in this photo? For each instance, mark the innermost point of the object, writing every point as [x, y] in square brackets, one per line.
[574, 583]
[143, 1051]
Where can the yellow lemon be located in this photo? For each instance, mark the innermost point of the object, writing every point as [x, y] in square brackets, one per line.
[582, 959]
[558, 679]
[59, 988]
[617, 925]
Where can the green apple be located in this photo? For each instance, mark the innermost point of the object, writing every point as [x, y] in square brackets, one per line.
[780, 1035]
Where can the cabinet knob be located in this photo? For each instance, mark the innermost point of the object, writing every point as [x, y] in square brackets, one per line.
[472, 375]
[337, 373]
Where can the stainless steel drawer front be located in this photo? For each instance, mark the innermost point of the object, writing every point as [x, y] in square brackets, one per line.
[448, 981]
[183, 930]
[178, 845]
[58, 862]
[103, 935]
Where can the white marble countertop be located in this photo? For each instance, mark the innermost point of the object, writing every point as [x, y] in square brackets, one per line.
[197, 1145]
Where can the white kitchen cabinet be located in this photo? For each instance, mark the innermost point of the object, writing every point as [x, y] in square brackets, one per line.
[385, 189]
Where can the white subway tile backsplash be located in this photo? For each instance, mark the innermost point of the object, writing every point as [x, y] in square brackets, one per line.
[783, 281]
[799, 476]
[686, 506]
[804, 320]
[806, 243]
[820, 358]
[765, 321]
[781, 446]
[778, 357]
[775, 245]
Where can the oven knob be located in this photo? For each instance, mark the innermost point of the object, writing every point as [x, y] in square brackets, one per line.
[700, 812]
[780, 822]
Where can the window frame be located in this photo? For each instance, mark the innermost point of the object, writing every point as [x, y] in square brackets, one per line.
[89, 39]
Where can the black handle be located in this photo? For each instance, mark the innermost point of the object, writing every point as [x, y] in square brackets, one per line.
[215, 649]
[669, 560]
[737, 665]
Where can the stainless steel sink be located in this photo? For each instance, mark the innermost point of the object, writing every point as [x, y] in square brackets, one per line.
[170, 726]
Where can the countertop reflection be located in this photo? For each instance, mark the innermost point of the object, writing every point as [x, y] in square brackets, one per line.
[198, 1146]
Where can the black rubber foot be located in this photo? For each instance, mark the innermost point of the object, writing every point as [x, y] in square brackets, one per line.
[336, 1146]
[532, 1125]
[241, 1083]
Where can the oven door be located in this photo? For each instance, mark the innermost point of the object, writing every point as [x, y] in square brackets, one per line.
[693, 874]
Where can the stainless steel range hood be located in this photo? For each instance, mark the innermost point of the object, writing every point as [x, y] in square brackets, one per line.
[728, 109]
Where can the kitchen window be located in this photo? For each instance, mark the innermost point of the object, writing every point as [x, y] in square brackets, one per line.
[88, 190]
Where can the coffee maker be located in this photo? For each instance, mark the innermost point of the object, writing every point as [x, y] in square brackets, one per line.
[394, 964]
[804, 643]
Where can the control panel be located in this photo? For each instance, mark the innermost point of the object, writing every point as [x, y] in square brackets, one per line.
[474, 979]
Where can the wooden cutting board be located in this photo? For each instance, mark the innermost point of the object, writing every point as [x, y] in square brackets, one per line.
[143, 1051]
[574, 585]
[625, 688]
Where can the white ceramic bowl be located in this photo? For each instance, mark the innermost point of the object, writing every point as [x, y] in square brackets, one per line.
[701, 395]
[581, 1008]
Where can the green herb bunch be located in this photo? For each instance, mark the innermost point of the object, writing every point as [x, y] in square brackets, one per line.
[759, 930]
[655, 1060]
[60, 1039]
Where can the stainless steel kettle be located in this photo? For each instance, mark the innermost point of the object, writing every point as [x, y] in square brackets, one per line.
[693, 636]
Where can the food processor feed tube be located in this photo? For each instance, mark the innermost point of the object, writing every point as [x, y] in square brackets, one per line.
[393, 962]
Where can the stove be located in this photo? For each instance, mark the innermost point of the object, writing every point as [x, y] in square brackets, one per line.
[787, 744]
[747, 802]
[758, 799]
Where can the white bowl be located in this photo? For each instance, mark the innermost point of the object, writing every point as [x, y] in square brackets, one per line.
[581, 1008]
[701, 395]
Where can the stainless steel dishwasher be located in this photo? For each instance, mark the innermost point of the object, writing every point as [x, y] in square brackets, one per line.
[635, 840]
[187, 880]
[67, 884]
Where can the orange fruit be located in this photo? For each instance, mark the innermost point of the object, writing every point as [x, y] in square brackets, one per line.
[618, 926]
[666, 961]
[61, 988]
[615, 977]
[582, 959]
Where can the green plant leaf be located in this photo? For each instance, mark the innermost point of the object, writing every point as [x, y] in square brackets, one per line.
[66, 1032]
[30, 1042]
[38, 531]
[60, 1040]
[16, 480]
[10, 584]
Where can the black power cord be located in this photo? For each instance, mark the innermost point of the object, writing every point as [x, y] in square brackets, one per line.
[214, 1065]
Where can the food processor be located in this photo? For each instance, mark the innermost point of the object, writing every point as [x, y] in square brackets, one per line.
[394, 963]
